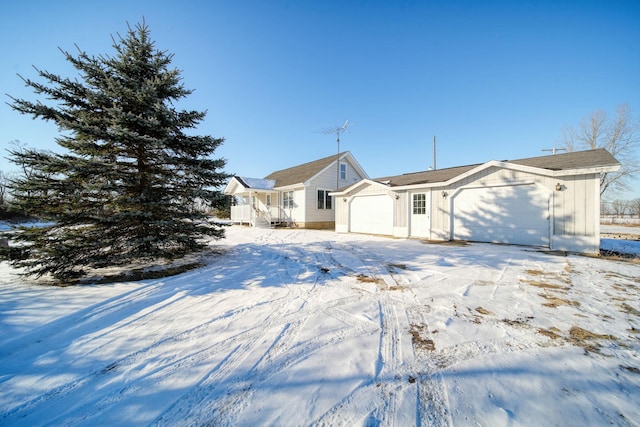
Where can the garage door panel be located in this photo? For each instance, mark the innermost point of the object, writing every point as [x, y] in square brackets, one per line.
[510, 214]
[372, 215]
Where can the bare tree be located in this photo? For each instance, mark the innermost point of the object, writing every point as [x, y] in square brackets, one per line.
[620, 135]
[634, 207]
[619, 207]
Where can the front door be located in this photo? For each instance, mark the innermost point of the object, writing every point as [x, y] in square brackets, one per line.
[420, 223]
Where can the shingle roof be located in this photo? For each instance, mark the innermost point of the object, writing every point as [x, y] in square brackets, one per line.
[565, 161]
[573, 160]
[438, 175]
[301, 173]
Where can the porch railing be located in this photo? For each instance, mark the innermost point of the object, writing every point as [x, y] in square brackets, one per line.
[241, 214]
[246, 214]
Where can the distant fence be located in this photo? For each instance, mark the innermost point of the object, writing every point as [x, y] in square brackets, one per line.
[621, 219]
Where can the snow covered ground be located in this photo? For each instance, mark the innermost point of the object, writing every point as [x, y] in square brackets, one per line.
[300, 327]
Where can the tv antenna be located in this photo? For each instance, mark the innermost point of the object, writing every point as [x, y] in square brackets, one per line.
[554, 149]
[337, 130]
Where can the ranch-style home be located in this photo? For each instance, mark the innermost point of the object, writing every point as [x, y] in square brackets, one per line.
[294, 197]
[550, 201]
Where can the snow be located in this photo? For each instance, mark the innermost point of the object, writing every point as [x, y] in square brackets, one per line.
[627, 241]
[301, 327]
[259, 183]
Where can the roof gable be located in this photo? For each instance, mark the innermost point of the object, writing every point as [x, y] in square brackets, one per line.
[304, 172]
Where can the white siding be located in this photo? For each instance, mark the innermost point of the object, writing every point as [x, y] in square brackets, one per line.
[327, 181]
[572, 210]
[297, 213]
[324, 181]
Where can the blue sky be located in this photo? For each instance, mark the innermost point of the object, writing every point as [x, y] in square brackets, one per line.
[492, 80]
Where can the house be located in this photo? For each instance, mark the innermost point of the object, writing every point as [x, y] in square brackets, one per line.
[297, 196]
[549, 201]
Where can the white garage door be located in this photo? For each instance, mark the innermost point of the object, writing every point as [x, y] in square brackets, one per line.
[516, 214]
[372, 214]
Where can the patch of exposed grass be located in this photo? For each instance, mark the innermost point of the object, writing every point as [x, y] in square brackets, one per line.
[553, 301]
[584, 338]
[521, 321]
[367, 279]
[632, 369]
[626, 308]
[534, 272]
[577, 332]
[483, 311]
[620, 256]
[398, 266]
[553, 333]
[419, 342]
[544, 285]
[558, 277]
[622, 276]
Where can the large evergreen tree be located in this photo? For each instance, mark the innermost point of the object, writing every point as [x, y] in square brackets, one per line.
[125, 187]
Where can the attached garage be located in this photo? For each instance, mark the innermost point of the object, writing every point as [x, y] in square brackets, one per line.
[372, 214]
[515, 214]
[547, 201]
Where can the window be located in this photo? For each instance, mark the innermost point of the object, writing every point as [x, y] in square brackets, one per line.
[343, 171]
[268, 200]
[287, 200]
[420, 204]
[324, 199]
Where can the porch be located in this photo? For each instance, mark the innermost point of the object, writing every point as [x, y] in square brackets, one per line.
[258, 209]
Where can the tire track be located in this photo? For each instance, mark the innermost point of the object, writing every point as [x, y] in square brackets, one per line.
[217, 397]
[379, 400]
[170, 365]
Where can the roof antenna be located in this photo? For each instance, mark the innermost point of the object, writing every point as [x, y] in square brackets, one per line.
[434, 152]
[337, 130]
[554, 149]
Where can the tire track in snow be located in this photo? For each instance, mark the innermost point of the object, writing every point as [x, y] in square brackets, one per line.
[192, 407]
[378, 402]
[432, 407]
[283, 353]
[170, 366]
[74, 391]
[59, 330]
[217, 401]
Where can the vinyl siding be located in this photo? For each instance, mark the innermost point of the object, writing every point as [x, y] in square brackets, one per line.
[327, 181]
[572, 208]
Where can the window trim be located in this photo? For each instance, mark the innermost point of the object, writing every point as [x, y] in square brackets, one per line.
[287, 199]
[419, 204]
[326, 198]
[343, 177]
